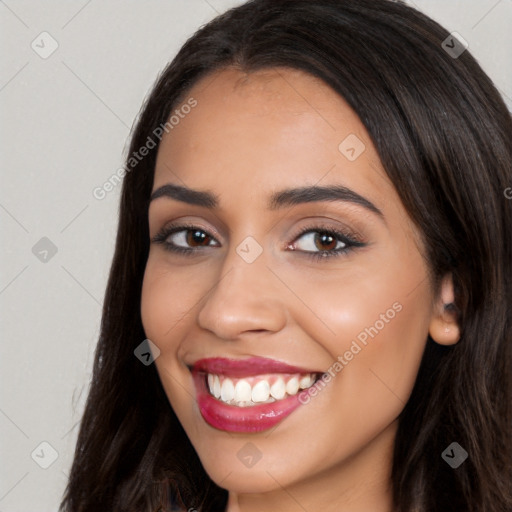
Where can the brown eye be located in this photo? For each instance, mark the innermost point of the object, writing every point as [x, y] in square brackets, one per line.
[185, 239]
[189, 237]
[196, 237]
[314, 241]
[325, 241]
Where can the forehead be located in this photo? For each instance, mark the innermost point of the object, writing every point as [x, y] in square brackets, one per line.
[275, 126]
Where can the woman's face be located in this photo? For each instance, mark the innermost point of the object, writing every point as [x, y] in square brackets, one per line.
[296, 258]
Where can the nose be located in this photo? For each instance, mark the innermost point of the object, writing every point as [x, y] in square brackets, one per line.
[247, 297]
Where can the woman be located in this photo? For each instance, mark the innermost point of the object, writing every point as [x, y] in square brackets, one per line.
[308, 306]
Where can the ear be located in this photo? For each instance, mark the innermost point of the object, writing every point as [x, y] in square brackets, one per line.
[444, 325]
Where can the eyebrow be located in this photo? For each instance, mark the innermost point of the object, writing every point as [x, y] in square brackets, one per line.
[278, 200]
[186, 195]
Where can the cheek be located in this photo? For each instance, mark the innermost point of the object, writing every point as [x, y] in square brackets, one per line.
[374, 329]
[168, 300]
[379, 359]
[167, 303]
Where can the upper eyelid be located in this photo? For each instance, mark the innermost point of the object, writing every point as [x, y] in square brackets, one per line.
[171, 228]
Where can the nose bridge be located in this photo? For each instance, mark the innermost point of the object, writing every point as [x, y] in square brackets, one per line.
[245, 296]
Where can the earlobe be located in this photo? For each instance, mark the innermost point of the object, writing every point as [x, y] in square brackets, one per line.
[444, 324]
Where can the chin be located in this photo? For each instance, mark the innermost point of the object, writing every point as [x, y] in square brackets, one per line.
[245, 480]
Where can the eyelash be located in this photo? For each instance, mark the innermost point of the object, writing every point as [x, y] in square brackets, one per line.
[350, 240]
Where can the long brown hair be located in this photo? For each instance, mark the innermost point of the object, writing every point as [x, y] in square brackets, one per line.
[443, 134]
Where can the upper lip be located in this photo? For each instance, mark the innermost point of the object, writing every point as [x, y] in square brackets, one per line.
[246, 367]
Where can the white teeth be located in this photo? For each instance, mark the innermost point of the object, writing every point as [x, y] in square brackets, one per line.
[255, 390]
[292, 386]
[305, 382]
[278, 389]
[260, 391]
[243, 391]
[227, 391]
[216, 386]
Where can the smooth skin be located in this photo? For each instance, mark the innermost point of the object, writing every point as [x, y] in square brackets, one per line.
[250, 136]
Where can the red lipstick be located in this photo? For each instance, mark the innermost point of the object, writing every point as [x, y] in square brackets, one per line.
[252, 418]
[245, 367]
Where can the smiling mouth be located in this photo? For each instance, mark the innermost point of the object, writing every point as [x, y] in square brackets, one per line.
[257, 389]
[249, 395]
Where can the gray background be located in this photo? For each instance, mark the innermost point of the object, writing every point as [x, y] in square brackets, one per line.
[65, 123]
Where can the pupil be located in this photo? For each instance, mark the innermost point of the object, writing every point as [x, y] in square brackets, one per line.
[326, 241]
[196, 237]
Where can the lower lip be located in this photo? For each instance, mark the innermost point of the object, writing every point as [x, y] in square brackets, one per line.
[255, 418]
